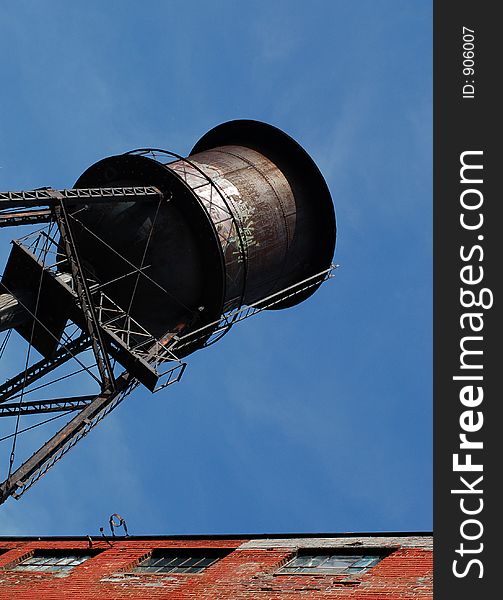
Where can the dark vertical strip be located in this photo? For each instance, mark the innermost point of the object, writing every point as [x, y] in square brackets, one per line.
[466, 120]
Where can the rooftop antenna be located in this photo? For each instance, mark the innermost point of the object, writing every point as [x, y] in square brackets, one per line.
[148, 258]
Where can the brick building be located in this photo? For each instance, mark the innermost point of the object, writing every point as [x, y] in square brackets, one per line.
[281, 567]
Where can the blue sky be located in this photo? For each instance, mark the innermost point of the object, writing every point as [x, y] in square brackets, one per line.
[316, 418]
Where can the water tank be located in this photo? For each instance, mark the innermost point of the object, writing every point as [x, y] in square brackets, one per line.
[245, 215]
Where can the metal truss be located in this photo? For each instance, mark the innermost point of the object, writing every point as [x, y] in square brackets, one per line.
[43, 367]
[223, 325]
[130, 336]
[98, 407]
[110, 332]
[35, 407]
[50, 197]
[94, 411]
[60, 443]
[24, 217]
[126, 340]
[108, 329]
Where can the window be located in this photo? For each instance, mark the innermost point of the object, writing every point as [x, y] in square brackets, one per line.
[330, 564]
[52, 560]
[180, 560]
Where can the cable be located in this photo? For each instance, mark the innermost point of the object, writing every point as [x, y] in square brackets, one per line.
[38, 424]
[18, 416]
[39, 387]
[156, 283]
[5, 342]
[143, 257]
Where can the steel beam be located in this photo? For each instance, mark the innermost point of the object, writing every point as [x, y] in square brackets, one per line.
[48, 454]
[92, 324]
[25, 217]
[35, 407]
[43, 367]
[51, 197]
[78, 427]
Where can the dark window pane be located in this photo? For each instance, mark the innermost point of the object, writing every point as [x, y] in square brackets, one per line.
[157, 562]
[177, 561]
[192, 570]
[189, 561]
[160, 569]
[205, 561]
[142, 569]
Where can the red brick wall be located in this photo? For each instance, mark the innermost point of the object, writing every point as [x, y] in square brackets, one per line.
[243, 574]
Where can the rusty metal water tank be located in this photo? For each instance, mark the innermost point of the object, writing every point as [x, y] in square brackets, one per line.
[248, 214]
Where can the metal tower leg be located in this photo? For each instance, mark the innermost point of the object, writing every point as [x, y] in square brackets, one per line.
[84, 294]
[44, 458]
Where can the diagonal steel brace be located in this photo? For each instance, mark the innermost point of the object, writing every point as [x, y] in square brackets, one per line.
[85, 297]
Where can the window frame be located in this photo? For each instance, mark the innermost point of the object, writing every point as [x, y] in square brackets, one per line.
[358, 552]
[216, 554]
[48, 553]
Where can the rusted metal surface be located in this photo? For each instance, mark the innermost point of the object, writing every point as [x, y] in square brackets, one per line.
[313, 242]
[257, 236]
